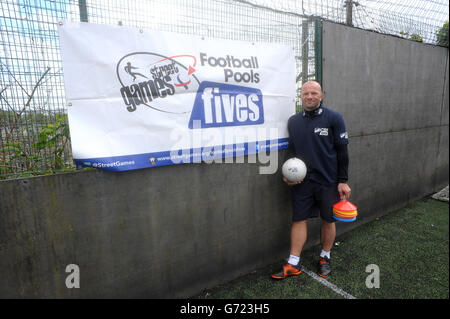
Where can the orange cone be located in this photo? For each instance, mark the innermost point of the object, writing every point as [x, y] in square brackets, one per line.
[345, 211]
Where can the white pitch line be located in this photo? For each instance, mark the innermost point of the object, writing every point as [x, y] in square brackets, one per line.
[324, 282]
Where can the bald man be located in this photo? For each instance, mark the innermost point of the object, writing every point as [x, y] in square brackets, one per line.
[318, 136]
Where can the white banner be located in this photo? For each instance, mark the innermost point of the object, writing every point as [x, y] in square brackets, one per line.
[143, 98]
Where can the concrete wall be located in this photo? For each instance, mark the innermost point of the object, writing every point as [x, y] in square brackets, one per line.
[173, 231]
[393, 94]
[160, 232]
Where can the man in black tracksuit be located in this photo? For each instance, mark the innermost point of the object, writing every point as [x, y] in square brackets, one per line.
[318, 136]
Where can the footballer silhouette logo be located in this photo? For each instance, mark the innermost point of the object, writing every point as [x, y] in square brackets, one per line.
[151, 80]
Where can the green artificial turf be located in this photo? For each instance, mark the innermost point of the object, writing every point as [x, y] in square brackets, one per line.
[410, 246]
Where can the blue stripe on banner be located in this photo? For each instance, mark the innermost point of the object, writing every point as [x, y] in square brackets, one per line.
[209, 153]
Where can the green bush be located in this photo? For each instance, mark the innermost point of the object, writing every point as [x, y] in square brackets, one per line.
[442, 35]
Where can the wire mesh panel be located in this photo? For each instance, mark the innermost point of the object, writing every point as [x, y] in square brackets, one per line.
[418, 20]
[414, 20]
[34, 135]
[33, 126]
[34, 132]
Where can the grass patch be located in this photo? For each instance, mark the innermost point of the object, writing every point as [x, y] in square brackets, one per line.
[410, 246]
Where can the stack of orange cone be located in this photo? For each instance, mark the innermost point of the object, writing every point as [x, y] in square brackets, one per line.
[345, 211]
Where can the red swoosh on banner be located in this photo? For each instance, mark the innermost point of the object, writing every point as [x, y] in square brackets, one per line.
[191, 69]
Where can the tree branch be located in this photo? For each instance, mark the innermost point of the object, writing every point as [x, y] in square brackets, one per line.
[13, 126]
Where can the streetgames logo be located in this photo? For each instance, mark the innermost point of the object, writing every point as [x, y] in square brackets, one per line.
[321, 131]
[150, 79]
[153, 80]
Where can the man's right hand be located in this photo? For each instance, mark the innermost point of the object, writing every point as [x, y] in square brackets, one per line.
[290, 183]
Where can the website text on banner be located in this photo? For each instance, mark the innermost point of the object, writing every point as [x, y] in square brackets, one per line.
[143, 98]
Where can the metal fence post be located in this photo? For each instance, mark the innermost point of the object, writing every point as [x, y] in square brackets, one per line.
[83, 10]
[305, 50]
[318, 49]
[349, 5]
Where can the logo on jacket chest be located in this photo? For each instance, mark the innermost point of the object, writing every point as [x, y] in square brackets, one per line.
[321, 131]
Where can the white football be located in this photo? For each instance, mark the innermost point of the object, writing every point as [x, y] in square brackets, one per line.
[294, 169]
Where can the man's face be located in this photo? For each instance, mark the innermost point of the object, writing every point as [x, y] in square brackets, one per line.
[311, 96]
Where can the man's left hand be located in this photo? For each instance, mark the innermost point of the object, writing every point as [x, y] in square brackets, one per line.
[344, 190]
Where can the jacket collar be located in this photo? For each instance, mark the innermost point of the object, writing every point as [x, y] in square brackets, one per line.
[313, 113]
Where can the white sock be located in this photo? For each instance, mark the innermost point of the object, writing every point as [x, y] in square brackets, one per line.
[293, 260]
[325, 254]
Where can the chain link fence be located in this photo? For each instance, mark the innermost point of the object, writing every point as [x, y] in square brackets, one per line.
[418, 20]
[34, 134]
